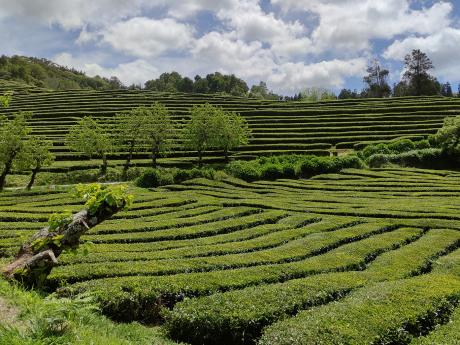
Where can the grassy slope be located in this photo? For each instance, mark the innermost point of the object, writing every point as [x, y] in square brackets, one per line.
[28, 318]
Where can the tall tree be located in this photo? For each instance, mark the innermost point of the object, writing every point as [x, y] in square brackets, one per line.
[13, 136]
[416, 75]
[36, 155]
[376, 80]
[91, 138]
[157, 131]
[232, 131]
[200, 131]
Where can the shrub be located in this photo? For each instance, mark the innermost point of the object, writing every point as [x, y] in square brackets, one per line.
[244, 170]
[401, 145]
[422, 144]
[272, 171]
[149, 179]
[371, 150]
[378, 160]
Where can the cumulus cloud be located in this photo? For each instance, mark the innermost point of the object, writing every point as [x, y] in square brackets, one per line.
[134, 72]
[350, 25]
[72, 14]
[290, 77]
[145, 37]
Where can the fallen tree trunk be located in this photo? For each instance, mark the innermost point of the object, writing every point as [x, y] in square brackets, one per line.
[37, 257]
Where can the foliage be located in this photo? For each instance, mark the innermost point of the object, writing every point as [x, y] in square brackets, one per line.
[448, 137]
[13, 135]
[5, 99]
[290, 166]
[152, 178]
[261, 91]
[231, 131]
[157, 130]
[98, 197]
[200, 132]
[89, 137]
[211, 84]
[391, 148]
[59, 220]
[417, 79]
[66, 321]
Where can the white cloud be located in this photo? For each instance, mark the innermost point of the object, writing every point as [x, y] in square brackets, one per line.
[443, 48]
[330, 74]
[72, 14]
[144, 37]
[349, 25]
[137, 71]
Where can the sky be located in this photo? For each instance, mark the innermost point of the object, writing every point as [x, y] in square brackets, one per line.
[290, 44]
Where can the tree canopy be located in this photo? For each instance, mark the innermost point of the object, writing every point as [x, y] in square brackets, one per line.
[91, 138]
[157, 130]
[212, 83]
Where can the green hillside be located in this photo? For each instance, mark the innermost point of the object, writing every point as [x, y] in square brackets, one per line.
[43, 73]
[341, 258]
[278, 127]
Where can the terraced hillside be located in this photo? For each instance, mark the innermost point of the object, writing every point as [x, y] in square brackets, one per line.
[361, 257]
[278, 127]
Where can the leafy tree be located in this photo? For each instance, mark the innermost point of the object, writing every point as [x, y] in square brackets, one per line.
[448, 137]
[446, 90]
[376, 80]
[129, 133]
[90, 138]
[36, 155]
[13, 135]
[232, 131]
[157, 130]
[200, 131]
[416, 75]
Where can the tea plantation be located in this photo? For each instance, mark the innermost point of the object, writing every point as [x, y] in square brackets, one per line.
[277, 127]
[360, 257]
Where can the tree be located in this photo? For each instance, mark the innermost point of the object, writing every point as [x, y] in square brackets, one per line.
[200, 131]
[446, 90]
[376, 80]
[448, 137]
[90, 138]
[416, 76]
[5, 99]
[128, 133]
[157, 130]
[37, 257]
[36, 155]
[13, 135]
[232, 131]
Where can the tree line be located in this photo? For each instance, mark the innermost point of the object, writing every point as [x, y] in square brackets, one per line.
[142, 129]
